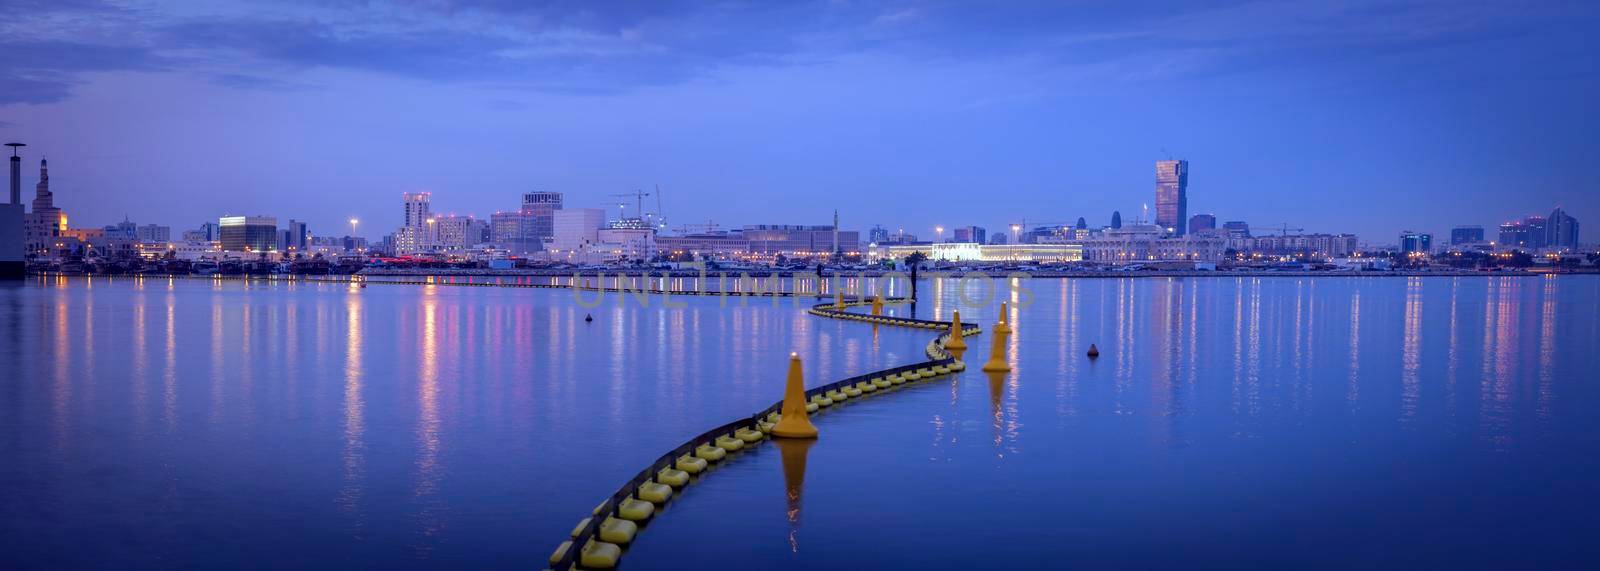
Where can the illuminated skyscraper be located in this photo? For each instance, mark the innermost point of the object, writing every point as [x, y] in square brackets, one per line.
[1172, 195]
[416, 234]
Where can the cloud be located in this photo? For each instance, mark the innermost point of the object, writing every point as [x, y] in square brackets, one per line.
[589, 47]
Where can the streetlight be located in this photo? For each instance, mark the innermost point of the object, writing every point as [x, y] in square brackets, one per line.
[940, 231]
[1016, 233]
[353, 223]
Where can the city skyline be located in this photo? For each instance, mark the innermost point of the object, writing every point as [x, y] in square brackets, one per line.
[1365, 119]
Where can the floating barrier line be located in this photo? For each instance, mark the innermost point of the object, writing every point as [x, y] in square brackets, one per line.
[587, 547]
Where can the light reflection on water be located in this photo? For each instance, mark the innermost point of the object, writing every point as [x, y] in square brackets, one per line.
[429, 426]
[1269, 422]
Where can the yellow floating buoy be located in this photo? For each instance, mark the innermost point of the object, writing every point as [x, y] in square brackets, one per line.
[896, 379]
[614, 530]
[881, 382]
[997, 355]
[794, 422]
[579, 528]
[1004, 326]
[671, 477]
[837, 396]
[691, 464]
[910, 375]
[820, 400]
[729, 443]
[956, 341]
[654, 492]
[852, 391]
[561, 551]
[748, 435]
[838, 300]
[877, 305]
[636, 510]
[599, 555]
[708, 452]
[958, 366]
[810, 407]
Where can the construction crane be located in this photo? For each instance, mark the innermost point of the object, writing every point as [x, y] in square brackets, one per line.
[637, 195]
[1285, 229]
[709, 226]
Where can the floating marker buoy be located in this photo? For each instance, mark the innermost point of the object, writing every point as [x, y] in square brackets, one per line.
[1093, 351]
[588, 317]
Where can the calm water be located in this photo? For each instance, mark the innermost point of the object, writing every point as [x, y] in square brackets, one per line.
[1332, 422]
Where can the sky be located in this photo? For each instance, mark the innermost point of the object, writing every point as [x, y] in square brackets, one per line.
[1369, 117]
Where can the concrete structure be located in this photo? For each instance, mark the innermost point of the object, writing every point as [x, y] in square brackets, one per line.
[1172, 195]
[1146, 242]
[459, 233]
[249, 234]
[974, 252]
[416, 233]
[718, 244]
[975, 234]
[799, 241]
[1313, 245]
[1201, 222]
[153, 234]
[577, 228]
[12, 213]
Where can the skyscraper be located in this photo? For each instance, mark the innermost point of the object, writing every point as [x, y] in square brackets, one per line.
[1172, 195]
[1116, 219]
[1562, 229]
[1420, 242]
[1466, 235]
[541, 208]
[1200, 222]
[415, 235]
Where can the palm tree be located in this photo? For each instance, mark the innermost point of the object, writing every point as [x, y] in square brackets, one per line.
[913, 260]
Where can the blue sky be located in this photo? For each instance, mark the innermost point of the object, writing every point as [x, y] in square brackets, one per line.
[1365, 117]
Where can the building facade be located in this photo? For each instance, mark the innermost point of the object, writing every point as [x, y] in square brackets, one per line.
[1416, 242]
[415, 234]
[250, 234]
[1466, 235]
[1562, 229]
[1201, 222]
[1172, 195]
[43, 227]
[577, 228]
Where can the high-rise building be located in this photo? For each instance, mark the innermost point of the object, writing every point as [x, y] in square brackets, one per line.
[293, 237]
[541, 208]
[416, 234]
[1200, 222]
[577, 228]
[456, 233]
[42, 228]
[1466, 235]
[1562, 229]
[1415, 242]
[1237, 228]
[975, 234]
[1172, 195]
[878, 234]
[1116, 219]
[153, 234]
[249, 233]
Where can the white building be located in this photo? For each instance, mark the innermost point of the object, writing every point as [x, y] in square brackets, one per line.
[415, 235]
[577, 228]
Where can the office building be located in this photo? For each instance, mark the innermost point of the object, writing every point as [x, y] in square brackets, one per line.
[1237, 228]
[1466, 235]
[577, 228]
[975, 234]
[1200, 222]
[878, 234]
[1172, 195]
[416, 233]
[1116, 219]
[153, 234]
[251, 234]
[454, 233]
[799, 241]
[1415, 242]
[1562, 229]
[541, 207]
